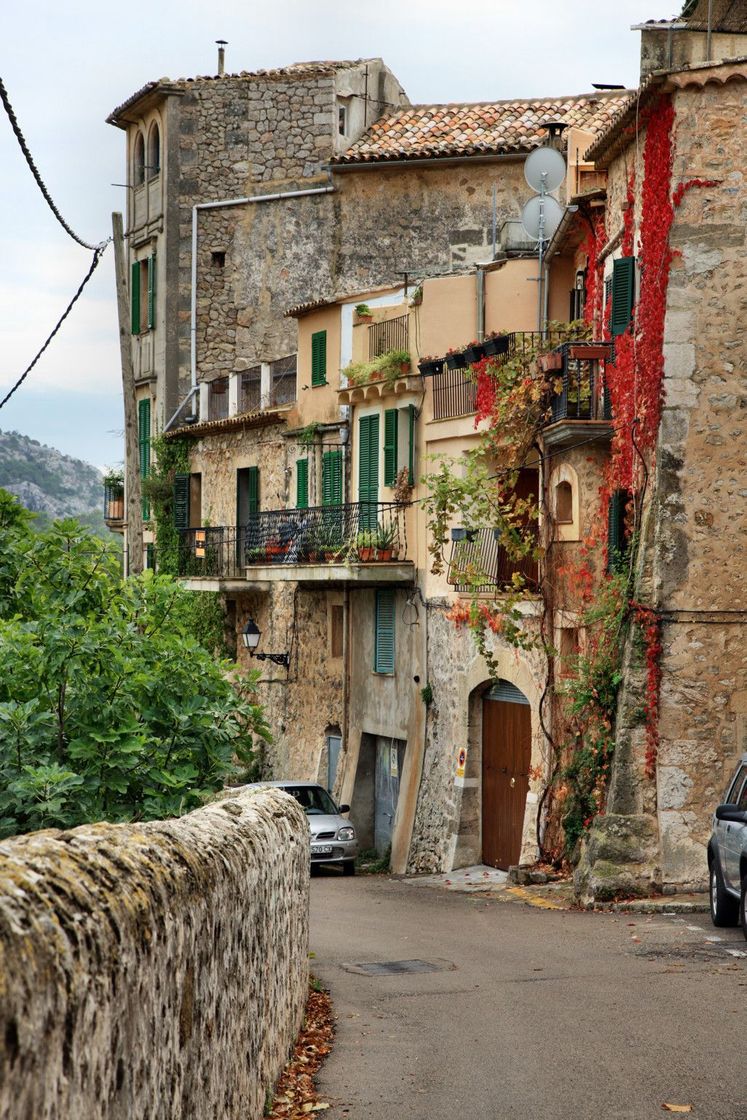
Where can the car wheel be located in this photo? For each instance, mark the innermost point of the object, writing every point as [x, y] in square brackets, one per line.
[724, 908]
[743, 907]
[348, 867]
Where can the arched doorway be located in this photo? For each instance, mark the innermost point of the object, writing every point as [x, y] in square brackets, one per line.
[506, 753]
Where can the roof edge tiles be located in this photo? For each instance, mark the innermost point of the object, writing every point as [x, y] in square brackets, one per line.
[480, 129]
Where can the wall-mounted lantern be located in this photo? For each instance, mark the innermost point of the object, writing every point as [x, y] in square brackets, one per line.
[250, 636]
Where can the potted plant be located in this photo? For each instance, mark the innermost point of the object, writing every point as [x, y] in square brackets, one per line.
[385, 542]
[329, 541]
[475, 352]
[495, 344]
[365, 542]
[400, 361]
[256, 555]
[454, 359]
[276, 551]
[363, 313]
[417, 296]
[429, 366]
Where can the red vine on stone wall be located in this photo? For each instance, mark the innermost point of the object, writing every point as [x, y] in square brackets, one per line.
[650, 626]
[683, 188]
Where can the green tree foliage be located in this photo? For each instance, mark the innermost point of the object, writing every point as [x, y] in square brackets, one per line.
[110, 709]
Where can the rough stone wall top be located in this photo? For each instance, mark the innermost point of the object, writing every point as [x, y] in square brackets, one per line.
[154, 970]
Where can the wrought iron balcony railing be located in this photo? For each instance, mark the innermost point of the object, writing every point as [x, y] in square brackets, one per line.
[355, 533]
[582, 393]
[113, 501]
[479, 562]
[392, 334]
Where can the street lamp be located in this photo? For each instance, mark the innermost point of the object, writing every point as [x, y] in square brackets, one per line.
[250, 636]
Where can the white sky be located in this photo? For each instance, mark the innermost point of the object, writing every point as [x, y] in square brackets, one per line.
[66, 65]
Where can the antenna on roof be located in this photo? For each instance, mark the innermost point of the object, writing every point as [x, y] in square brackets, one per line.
[544, 171]
[222, 44]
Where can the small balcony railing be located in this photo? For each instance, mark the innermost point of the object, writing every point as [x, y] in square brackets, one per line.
[392, 334]
[479, 562]
[454, 393]
[355, 533]
[113, 502]
[582, 395]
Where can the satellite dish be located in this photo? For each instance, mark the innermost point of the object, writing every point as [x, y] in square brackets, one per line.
[530, 216]
[544, 169]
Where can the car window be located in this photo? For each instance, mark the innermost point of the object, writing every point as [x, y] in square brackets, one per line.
[312, 799]
[742, 802]
[732, 792]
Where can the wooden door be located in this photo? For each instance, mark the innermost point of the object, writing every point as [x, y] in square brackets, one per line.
[506, 749]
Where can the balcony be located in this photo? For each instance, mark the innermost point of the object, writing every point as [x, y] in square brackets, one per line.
[582, 406]
[480, 563]
[391, 334]
[114, 506]
[360, 543]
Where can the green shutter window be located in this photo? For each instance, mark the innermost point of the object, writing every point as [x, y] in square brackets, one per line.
[411, 444]
[617, 544]
[150, 556]
[135, 296]
[302, 483]
[390, 447]
[319, 358]
[368, 471]
[384, 636]
[151, 292]
[181, 501]
[252, 490]
[332, 478]
[623, 294]
[143, 440]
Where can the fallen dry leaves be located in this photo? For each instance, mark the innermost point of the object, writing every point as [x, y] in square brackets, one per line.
[677, 1107]
[295, 1094]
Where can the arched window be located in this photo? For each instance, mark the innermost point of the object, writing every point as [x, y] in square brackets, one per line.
[154, 151]
[139, 160]
[564, 503]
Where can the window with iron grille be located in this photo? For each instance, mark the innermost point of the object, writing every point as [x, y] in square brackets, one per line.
[283, 381]
[250, 397]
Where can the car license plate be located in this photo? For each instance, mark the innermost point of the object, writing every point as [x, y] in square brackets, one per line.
[321, 849]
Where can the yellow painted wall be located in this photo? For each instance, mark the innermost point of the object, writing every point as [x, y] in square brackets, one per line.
[318, 403]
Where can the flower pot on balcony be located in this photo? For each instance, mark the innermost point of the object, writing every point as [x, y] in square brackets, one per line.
[454, 360]
[496, 345]
[365, 555]
[551, 362]
[384, 555]
[276, 553]
[474, 353]
[430, 366]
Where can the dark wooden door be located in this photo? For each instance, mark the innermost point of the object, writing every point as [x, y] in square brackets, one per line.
[506, 749]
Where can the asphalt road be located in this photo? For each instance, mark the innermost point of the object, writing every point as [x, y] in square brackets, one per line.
[528, 1013]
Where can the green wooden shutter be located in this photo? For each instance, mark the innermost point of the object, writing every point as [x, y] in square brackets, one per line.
[616, 539]
[411, 444]
[332, 478]
[151, 292]
[135, 297]
[252, 490]
[384, 632]
[143, 439]
[319, 358]
[302, 483]
[390, 447]
[181, 501]
[623, 293]
[368, 471]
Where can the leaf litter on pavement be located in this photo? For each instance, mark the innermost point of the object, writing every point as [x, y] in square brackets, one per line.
[295, 1093]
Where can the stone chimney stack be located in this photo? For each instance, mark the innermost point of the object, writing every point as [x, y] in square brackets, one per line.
[222, 44]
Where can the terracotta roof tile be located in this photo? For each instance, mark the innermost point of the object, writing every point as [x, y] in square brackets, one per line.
[492, 128]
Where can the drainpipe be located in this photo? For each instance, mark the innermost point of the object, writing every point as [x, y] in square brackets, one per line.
[480, 285]
[220, 206]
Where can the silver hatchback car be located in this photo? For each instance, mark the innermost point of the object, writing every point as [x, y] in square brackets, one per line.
[333, 838]
[727, 854]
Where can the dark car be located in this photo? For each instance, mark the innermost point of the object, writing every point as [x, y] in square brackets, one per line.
[727, 854]
[333, 838]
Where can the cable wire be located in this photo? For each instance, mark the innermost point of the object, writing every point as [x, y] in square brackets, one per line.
[97, 255]
[34, 171]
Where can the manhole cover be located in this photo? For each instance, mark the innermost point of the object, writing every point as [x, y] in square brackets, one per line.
[394, 968]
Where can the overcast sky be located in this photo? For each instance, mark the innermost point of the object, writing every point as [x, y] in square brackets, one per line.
[66, 65]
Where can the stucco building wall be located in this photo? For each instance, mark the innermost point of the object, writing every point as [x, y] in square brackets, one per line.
[154, 970]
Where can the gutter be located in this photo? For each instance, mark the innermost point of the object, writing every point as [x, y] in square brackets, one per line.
[220, 205]
[437, 161]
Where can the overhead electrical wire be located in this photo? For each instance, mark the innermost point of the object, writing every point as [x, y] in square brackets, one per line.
[35, 172]
[97, 255]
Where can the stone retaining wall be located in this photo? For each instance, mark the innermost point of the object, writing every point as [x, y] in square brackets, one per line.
[154, 970]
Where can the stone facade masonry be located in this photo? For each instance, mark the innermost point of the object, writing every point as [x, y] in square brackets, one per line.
[156, 970]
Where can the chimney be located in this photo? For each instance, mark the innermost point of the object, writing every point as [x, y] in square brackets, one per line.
[222, 44]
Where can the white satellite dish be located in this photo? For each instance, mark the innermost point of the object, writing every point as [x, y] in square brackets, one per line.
[533, 212]
[544, 169]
